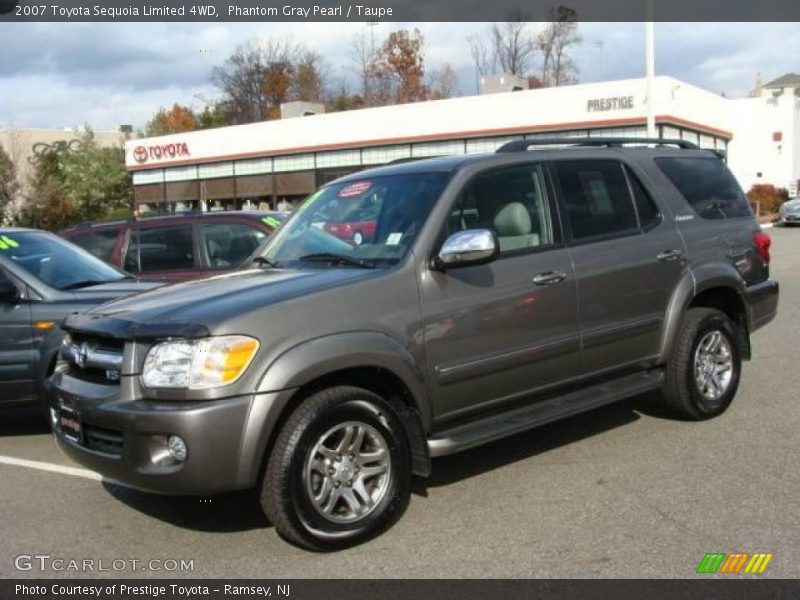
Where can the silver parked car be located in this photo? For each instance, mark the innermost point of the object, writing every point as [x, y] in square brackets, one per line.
[790, 212]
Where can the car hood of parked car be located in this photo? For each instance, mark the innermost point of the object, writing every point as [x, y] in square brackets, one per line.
[193, 308]
[792, 204]
[114, 289]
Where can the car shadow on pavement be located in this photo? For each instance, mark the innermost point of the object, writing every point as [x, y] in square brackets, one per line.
[23, 421]
[240, 511]
[450, 469]
[223, 513]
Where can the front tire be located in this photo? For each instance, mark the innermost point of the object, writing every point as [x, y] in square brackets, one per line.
[340, 470]
[704, 370]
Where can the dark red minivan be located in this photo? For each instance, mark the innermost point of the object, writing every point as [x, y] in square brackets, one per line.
[177, 247]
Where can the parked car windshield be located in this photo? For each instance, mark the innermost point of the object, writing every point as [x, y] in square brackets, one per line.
[367, 222]
[56, 262]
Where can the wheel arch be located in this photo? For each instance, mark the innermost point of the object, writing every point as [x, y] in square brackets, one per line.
[370, 360]
[721, 288]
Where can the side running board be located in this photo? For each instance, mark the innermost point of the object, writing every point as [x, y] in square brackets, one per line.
[499, 426]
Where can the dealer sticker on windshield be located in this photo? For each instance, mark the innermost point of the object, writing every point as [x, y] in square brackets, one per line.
[393, 239]
[355, 189]
[271, 221]
[7, 243]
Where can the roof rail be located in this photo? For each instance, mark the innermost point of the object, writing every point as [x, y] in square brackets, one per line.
[135, 219]
[408, 159]
[523, 145]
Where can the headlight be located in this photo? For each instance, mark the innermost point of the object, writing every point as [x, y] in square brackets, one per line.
[198, 364]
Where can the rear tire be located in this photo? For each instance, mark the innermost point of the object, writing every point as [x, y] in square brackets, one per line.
[339, 472]
[704, 369]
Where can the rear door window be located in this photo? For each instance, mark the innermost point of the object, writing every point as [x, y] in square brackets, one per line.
[100, 243]
[707, 185]
[228, 244]
[596, 198]
[161, 249]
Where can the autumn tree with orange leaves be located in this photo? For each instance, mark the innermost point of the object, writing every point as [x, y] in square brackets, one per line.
[177, 119]
[399, 68]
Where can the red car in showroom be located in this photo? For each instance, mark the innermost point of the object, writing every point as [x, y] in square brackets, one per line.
[177, 247]
[354, 217]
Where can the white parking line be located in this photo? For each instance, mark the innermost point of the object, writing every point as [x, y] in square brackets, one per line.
[50, 467]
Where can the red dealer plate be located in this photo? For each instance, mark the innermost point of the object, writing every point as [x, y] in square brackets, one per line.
[355, 189]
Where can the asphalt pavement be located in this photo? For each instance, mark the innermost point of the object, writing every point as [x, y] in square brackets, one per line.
[624, 491]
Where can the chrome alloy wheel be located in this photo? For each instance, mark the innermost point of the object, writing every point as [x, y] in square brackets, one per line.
[713, 365]
[348, 472]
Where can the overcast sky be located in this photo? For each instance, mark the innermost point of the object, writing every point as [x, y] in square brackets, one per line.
[55, 75]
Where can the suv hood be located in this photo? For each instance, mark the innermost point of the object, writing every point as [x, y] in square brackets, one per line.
[194, 308]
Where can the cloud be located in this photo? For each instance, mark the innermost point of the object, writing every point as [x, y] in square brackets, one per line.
[106, 74]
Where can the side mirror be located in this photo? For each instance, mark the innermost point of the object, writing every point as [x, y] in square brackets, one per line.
[470, 247]
[8, 292]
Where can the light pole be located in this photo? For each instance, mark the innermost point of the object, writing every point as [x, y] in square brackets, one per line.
[650, 59]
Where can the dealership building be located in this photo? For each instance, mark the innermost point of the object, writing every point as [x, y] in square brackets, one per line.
[271, 163]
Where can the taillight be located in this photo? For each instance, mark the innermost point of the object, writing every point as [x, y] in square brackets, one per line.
[762, 242]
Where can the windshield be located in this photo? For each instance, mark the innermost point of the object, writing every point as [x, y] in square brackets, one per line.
[369, 222]
[56, 262]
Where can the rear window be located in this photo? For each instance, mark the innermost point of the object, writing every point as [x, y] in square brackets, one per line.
[99, 243]
[707, 186]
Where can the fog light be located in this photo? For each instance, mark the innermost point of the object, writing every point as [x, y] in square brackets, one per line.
[177, 448]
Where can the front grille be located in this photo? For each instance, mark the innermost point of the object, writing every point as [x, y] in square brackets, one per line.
[106, 441]
[93, 359]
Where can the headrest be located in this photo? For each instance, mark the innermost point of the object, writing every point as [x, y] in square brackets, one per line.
[513, 219]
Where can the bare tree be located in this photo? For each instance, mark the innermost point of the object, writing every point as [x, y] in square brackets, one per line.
[481, 55]
[363, 58]
[554, 42]
[513, 46]
[256, 78]
[444, 82]
[510, 48]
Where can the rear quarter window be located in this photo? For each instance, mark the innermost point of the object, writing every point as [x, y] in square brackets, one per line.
[707, 186]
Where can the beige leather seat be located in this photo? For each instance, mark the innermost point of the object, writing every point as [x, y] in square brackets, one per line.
[513, 227]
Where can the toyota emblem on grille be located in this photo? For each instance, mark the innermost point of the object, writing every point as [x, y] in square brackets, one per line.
[81, 353]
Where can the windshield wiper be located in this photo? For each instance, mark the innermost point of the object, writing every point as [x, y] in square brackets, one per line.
[340, 259]
[265, 262]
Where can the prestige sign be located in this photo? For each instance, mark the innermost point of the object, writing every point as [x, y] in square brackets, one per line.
[142, 154]
[611, 103]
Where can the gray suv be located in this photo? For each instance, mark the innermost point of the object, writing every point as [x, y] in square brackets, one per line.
[497, 293]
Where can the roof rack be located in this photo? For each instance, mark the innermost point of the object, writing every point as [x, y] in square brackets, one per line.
[136, 219]
[408, 159]
[523, 145]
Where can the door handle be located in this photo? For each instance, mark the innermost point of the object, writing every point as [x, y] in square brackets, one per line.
[549, 278]
[667, 255]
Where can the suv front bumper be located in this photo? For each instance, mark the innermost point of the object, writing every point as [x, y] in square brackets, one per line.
[126, 440]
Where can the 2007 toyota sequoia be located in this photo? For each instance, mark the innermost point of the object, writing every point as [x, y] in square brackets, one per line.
[497, 293]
